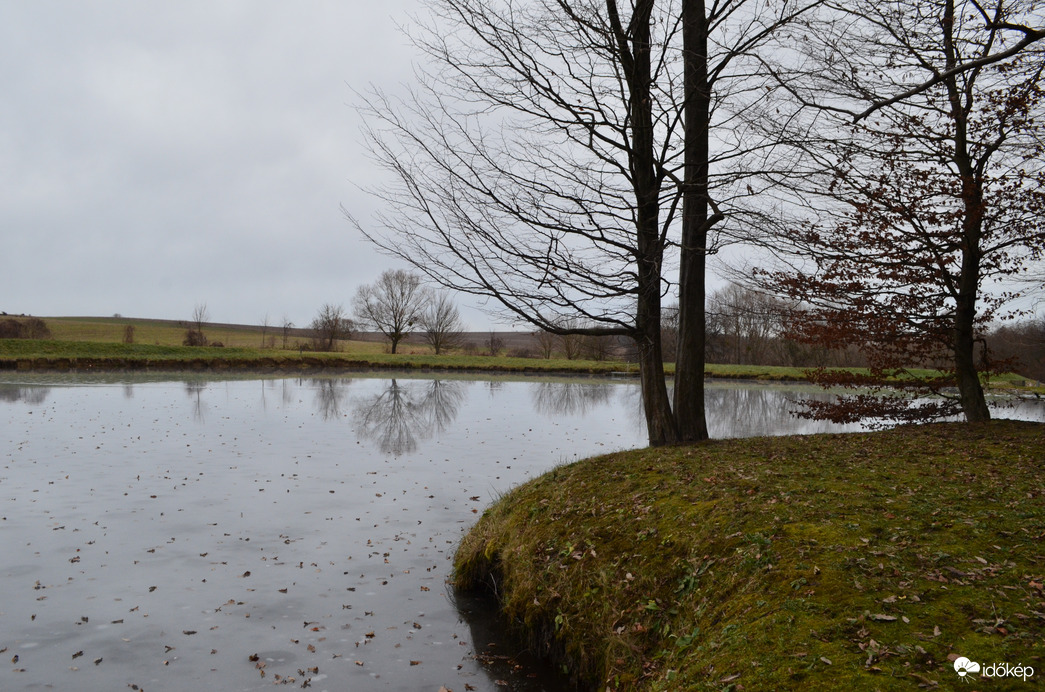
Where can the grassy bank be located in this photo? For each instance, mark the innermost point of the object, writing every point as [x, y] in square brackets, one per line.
[55, 354]
[860, 562]
[23, 354]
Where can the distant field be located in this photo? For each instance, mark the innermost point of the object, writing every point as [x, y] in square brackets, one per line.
[172, 333]
[99, 339]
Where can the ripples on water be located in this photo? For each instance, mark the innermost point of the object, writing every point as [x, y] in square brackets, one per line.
[190, 533]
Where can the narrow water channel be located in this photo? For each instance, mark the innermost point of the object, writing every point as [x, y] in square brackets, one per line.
[186, 533]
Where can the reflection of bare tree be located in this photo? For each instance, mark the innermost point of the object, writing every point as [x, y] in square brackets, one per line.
[194, 388]
[30, 395]
[404, 413]
[736, 409]
[569, 398]
[739, 411]
[442, 399]
[330, 395]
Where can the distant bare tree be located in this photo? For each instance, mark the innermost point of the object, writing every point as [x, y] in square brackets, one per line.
[596, 347]
[200, 315]
[545, 342]
[264, 329]
[330, 326]
[286, 325]
[494, 344]
[194, 335]
[392, 305]
[570, 341]
[441, 326]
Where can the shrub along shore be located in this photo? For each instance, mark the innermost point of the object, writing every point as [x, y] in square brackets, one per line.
[866, 561]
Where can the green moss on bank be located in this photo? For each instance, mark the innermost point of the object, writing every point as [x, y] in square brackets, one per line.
[858, 561]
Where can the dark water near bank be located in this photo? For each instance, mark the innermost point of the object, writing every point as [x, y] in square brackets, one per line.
[188, 533]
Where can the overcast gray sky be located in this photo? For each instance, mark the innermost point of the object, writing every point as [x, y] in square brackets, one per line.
[157, 154]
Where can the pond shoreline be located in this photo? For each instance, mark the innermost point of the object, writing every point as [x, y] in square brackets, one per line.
[311, 364]
[333, 364]
[276, 365]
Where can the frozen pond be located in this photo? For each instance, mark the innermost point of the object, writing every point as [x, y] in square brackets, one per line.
[199, 533]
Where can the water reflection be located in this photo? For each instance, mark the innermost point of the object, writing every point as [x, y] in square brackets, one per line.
[406, 412]
[342, 537]
[746, 411]
[194, 389]
[409, 410]
[570, 398]
[330, 395]
[14, 393]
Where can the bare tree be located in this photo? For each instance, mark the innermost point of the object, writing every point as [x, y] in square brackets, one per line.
[494, 344]
[286, 325]
[596, 347]
[564, 211]
[540, 164]
[200, 315]
[194, 335]
[441, 326]
[392, 305]
[545, 342]
[570, 345]
[330, 326]
[264, 330]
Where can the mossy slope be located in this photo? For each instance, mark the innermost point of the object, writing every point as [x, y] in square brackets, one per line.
[858, 561]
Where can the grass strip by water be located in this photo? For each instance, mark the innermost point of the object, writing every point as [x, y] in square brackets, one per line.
[59, 354]
[82, 355]
[857, 561]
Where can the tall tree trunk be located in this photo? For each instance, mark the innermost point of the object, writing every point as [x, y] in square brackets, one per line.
[970, 391]
[689, 362]
[659, 420]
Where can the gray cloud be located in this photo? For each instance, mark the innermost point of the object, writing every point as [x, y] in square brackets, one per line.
[157, 154]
